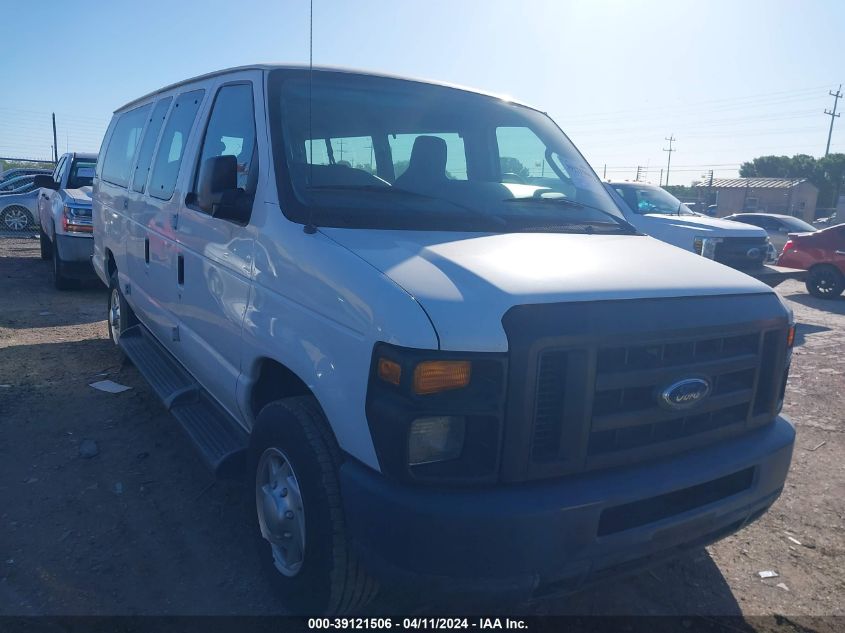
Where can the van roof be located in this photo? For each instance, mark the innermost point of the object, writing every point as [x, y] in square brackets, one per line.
[334, 69]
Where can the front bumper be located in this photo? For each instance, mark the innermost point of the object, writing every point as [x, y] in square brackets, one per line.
[550, 537]
[772, 275]
[76, 251]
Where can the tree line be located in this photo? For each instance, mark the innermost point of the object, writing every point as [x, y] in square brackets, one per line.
[826, 173]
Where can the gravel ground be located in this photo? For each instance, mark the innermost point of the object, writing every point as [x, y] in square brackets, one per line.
[142, 528]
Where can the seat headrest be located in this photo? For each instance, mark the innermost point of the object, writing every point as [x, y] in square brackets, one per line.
[428, 158]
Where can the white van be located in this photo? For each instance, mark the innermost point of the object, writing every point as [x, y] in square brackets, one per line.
[345, 286]
[658, 213]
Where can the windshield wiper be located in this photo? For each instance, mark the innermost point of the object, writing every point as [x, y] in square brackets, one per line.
[574, 204]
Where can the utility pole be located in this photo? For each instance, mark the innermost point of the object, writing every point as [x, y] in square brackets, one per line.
[660, 182]
[55, 143]
[832, 114]
[671, 140]
[604, 175]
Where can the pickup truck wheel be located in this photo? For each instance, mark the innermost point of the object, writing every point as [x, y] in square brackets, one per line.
[825, 282]
[46, 247]
[120, 315]
[297, 513]
[60, 281]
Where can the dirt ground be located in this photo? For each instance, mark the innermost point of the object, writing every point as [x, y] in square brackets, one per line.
[143, 528]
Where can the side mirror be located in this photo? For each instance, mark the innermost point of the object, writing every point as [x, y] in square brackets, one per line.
[217, 190]
[45, 182]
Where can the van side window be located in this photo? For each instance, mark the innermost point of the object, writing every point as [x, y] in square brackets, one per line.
[148, 143]
[124, 141]
[168, 158]
[231, 132]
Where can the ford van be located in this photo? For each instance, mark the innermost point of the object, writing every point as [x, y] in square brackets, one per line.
[429, 369]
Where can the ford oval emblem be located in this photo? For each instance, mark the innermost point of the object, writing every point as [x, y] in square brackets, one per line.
[685, 394]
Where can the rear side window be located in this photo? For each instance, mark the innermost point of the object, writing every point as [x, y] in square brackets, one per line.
[124, 141]
[148, 143]
[168, 158]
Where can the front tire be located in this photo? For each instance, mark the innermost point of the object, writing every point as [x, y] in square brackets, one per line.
[297, 513]
[825, 282]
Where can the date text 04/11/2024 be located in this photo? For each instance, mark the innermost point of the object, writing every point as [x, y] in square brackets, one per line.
[417, 623]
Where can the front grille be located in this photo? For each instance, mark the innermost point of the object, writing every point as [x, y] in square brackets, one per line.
[626, 415]
[742, 252]
[585, 379]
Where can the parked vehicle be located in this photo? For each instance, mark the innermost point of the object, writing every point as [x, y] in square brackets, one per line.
[426, 371]
[64, 217]
[775, 225]
[18, 211]
[822, 254]
[21, 171]
[19, 184]
[658, 213]
[830, 220]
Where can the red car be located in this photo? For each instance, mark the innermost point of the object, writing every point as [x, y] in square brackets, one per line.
[822, 254]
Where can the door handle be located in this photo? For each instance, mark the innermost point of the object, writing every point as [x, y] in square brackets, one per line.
[125, 203]
[147, 250]
[180, 270]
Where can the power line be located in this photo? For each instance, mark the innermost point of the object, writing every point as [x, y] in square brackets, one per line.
[832, 114]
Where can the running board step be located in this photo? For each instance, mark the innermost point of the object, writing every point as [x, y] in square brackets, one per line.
[221, 441]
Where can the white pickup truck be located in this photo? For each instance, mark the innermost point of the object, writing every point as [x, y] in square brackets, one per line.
[64, 218]
[658, 213]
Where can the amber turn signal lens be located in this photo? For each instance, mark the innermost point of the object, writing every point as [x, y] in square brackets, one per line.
[389, 371]
[790, 336]
[441, 375]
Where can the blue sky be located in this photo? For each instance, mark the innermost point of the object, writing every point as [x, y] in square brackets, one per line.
[730, 80]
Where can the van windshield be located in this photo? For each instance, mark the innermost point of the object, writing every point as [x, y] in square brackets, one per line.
[373, 152]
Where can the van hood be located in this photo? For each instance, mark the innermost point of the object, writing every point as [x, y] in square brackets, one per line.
[467, 281]
[81, 195]
[703, 226]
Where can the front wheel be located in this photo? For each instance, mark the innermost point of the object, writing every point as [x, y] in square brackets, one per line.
[825, 282]
[297, 514]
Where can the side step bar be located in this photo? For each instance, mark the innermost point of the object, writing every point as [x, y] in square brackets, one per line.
[219, 438]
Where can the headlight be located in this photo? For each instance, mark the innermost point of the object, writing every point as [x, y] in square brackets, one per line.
[437, 416]
[706, 246]
[435, 439]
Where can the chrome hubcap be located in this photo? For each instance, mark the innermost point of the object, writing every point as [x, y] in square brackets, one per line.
[281, 517]
[16, 219]
[114, 314]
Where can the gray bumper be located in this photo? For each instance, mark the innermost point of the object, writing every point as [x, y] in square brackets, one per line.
[549, 536]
